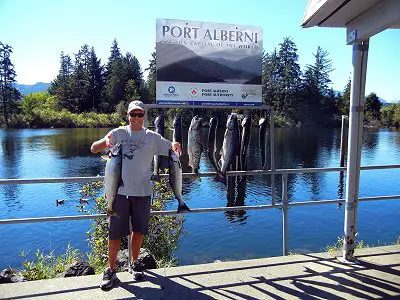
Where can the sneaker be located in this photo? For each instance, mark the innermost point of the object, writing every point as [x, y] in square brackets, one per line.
[136, 268]
[108, 279]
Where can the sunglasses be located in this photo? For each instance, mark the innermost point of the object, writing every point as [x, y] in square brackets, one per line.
[139, 115]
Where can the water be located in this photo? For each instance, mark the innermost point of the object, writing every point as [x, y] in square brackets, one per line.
[45, 153]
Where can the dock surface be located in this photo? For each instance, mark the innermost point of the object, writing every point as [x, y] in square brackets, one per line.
[300, 276]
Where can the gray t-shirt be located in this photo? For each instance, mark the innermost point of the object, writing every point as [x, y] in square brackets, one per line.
[138, 149]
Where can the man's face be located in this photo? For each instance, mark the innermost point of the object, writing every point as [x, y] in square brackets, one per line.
[136, 117]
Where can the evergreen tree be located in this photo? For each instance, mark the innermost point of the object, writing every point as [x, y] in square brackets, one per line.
[317, 99]
[115, 53]
[289, 77]
[132, 74]
[122, 73]
[115, 85]
[151, 80]
[270, 79]
[80, 85]
[96, 79]
[310, 96]
[321, 70]
[132, 92]
[372, 107]
[9, 95]
[61, 86]
[329, 107]
[344, 100]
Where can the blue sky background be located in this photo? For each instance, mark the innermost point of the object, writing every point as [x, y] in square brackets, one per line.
[39, 30]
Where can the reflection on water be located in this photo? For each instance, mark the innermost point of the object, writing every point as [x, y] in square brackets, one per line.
[45, 153]
[11, 156]
[235, 196]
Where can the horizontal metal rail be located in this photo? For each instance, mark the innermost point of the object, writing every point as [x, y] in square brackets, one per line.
[204, 174]
[198, 210]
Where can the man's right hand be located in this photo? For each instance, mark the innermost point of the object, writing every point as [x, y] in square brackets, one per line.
[100, 145]
[108, 141]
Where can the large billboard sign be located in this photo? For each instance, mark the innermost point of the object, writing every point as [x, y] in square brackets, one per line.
[201, 63]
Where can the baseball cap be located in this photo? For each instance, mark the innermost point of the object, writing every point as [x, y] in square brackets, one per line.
[136, 105]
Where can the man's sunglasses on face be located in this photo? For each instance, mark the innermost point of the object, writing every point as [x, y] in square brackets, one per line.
[139, 115]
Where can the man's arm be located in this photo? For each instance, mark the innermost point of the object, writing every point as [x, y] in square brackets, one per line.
[102, 144]
[98, 146]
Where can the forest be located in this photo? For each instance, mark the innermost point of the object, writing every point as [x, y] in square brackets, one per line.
[89, 93]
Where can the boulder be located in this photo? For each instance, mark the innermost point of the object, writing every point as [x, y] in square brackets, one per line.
[80, 268]
[122, 261]
[10, 275]
[145, 257]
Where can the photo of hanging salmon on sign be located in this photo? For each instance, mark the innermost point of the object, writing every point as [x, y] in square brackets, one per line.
[200, 63]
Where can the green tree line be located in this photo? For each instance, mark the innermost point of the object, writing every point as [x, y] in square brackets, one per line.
[88, 93]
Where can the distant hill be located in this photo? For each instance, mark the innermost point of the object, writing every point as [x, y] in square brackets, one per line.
[26, 89]
[250, 64]
[178, 63]
[383, 101]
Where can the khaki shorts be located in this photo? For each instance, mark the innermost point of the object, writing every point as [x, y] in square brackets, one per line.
[135, 207]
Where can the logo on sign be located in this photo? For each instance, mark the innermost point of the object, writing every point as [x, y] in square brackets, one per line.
[171, 92]
[248, 92]
[193, 92]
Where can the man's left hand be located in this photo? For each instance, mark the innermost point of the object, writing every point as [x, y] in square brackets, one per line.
[176, 147]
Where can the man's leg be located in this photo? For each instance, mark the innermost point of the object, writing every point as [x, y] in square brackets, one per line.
[136, 244]
[118, 227]
[140, 212]
[135, 267]
[113, 248]
[109, 275]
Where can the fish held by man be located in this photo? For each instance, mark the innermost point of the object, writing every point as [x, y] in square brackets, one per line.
[230, 147]
[112, 177]
[194, 143]
[212, 143]
[175, 180]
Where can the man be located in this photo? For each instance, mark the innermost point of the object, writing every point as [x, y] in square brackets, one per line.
[139, 145]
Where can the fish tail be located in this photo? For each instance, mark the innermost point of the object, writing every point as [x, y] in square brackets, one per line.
[111, 213]
[183, 208]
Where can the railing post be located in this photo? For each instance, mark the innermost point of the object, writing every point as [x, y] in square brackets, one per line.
[360, 57]
[285, 214]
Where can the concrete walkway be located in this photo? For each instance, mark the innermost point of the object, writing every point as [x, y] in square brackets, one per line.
[307, 276]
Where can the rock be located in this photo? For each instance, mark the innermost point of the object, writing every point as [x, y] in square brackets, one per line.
[122, 260]
[145, 257]
[80, 268]
[10, 275]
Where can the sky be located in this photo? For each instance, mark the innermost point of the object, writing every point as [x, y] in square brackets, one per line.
[39, 30]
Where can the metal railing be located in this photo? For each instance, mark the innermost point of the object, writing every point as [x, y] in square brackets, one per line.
[284, 204]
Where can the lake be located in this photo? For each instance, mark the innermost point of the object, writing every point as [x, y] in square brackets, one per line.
[45, 153]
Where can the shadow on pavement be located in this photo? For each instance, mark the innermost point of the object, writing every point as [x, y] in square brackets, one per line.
[309, 277]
